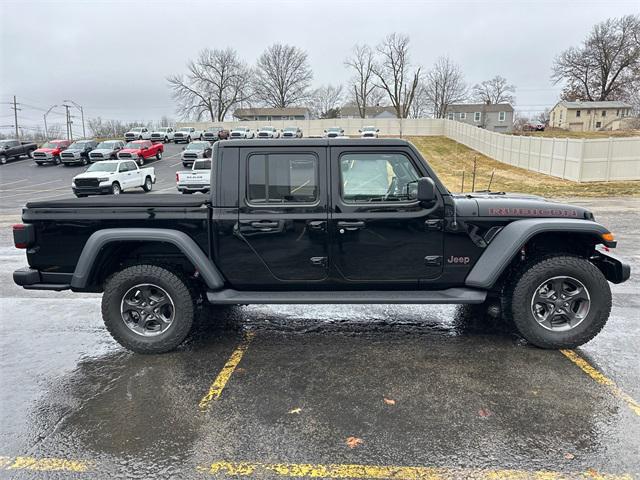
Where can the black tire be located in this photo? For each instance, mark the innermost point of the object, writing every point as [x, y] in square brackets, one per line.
[39, 164]
[116, 189]
[84, 160]
[56, 160]
[30, 154]
[188, 140]
[159, 156]
[3, 160]
[80, 195]
[148, 184]
[187, 192]
[166, 139]
[141, 161]
[518, 301]
[183, 303]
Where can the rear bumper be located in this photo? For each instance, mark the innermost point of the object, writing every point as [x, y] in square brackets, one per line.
[32, 279]
[612, 267]
[193, 188]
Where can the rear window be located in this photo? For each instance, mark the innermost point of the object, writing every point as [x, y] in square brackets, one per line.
[282, 178]
[202, 165]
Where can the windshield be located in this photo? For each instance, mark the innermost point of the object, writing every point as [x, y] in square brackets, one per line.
[50, 145]
[103, 167]
[290, 129]
[270, 129]
[333, 129]
[184, 130]
[106, 144]
[77, 145]
[202, 165]
[196, 146]
[368, 129]
[134, 145]
[138, 129]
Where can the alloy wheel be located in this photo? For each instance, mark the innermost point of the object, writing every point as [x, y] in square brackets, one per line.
[560, 303]
[147, 309]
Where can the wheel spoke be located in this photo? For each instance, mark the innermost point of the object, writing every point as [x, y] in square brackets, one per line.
[147, 309]
[560, 303]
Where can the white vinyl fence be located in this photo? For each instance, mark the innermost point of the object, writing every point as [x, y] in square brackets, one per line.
[580, 160]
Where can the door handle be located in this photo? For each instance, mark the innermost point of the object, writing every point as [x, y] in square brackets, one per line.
[351, 226]
[264, 224]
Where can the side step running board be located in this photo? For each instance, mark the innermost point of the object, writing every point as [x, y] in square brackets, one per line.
[451, 295]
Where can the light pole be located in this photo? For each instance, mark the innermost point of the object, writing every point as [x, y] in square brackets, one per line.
[79, 107]
[46, 132]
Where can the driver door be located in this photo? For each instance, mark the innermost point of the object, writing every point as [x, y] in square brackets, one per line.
[381, 233]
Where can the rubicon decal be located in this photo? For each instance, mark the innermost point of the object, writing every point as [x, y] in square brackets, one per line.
[533, 212]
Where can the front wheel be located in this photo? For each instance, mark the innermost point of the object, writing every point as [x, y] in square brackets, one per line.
[147, 308]
[141, 161]
[148, 184]
[56, 160]
[560, 301]
[188, 140]
[159, 156]
[116, 189]
[84, 161]
[3, 160]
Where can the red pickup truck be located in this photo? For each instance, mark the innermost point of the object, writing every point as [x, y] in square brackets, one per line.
[50, 151]
[141, 150]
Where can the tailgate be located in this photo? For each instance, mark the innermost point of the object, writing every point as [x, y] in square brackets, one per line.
[191, 178]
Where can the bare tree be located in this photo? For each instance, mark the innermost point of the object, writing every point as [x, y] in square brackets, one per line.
[544, 116]
[494, 91]
[282, 76]
[444, 86]
[326, 101]
[362, 86]
[393, 75]
[216, 81]
[420, 104]
[606, 66]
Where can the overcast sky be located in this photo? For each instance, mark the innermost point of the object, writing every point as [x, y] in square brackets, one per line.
[112, 57]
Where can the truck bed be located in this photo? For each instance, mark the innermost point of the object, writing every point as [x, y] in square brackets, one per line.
[125, 200]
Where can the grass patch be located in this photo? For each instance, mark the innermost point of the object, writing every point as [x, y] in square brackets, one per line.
[560, 133]
[449, 158]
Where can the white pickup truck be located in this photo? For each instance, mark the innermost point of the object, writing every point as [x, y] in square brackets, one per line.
[113, 177]
[187, 134]
[198, 179]
[137, 133]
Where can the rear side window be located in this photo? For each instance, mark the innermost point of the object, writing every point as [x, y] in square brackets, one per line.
[282, 178]
[377, 177]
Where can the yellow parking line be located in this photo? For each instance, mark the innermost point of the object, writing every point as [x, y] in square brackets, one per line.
[43, 464]
[225, 374]
[601, 379]
[294, 470]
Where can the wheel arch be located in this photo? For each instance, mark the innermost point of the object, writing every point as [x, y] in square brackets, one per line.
[573, 236]
[101, 243]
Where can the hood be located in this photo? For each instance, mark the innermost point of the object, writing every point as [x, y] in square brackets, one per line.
[74, 150]
[47, 150]
[93, 175]
[102, 150]
[130, 150]
[521, 205]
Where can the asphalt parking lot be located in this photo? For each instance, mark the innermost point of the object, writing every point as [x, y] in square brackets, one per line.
[377, 391]
[22, 180]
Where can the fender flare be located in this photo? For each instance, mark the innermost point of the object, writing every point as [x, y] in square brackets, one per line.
[98, 240]
[504, 247]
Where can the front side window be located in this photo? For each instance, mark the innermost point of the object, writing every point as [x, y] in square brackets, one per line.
[282, 178]
[377, 177]
[477, 116]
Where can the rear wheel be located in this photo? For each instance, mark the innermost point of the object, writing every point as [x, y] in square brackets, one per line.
[3, 160]
[116, 189]
[148, 184]
[159, 156]
[559, 301]
[141, 161]
[148, 308]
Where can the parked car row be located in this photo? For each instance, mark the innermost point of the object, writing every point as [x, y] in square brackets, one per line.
[13, 149]
[181, 135]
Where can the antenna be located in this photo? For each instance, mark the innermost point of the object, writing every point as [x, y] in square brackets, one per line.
[473, 180]
[462, 188]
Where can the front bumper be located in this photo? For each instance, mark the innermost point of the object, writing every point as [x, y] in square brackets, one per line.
[99, 190]
[71, 160]
[612, 267]
[32, 279]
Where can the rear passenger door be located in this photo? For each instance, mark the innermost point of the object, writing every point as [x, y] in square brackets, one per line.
[283, 214]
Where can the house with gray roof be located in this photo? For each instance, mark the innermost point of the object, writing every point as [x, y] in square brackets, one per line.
[270, 114]
[588, 116]
[496, 117]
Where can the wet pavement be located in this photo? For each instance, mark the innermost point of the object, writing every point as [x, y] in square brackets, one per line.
[324, 391]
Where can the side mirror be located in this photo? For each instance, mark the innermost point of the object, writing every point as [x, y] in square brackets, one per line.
[359, 131]
[426, 190]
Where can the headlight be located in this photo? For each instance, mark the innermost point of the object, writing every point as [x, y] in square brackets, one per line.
[103, 179]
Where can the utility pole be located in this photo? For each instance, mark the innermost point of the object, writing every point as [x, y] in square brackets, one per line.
[15, 115]
[79, 107]
[68, 117]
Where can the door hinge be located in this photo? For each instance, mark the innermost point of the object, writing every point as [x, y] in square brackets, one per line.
[319, 261]
[433, 260]
[433, 224]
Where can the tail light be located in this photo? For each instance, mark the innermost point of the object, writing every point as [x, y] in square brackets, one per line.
[177, 177]
[23, 235]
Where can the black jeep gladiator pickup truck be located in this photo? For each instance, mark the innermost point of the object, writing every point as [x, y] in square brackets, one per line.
[322, 221]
